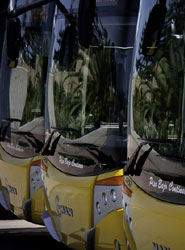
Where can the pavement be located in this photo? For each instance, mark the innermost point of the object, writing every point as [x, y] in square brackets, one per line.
[21, 226]
[23, 235]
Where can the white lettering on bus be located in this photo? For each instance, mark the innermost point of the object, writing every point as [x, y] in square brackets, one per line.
[171, 187]
[69, 163]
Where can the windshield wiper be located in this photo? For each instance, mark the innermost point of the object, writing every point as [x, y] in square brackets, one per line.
[36, 4]
[134, 166]
[63, 129]
[131, 166]
[157, 141]
[5, 124]
[83, 145]
[172, 158]
[24, 8]
[46, 150]
[104, 159]
[35, 143]
[67, 14]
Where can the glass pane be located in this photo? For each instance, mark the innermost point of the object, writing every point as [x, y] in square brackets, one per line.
[158, 90]
[88, 88]
[24, 85]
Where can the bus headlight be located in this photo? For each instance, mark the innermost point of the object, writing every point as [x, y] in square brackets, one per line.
[113, 195]
[98, 208]
[104, 198]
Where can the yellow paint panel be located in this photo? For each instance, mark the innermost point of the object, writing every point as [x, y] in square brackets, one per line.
[110, 229]
[16, 179]
[71, 201]
[156, 222]
[14, 174]
[37, 207]
[110, 174]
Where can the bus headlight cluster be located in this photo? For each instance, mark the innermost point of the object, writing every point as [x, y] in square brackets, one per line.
[35, 179]
[104, 198]
[112, 197]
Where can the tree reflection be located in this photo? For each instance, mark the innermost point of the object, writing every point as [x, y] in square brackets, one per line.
[84, 96]
[157, 99]
[34, 58]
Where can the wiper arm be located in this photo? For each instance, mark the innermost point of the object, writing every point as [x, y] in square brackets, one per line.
[46, 150]
[62, 8]
[37, 144]
[134, 166]
[7, 122]
[22, 9]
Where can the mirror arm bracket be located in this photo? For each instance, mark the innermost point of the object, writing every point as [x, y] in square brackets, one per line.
[22, 9]
[62, 8]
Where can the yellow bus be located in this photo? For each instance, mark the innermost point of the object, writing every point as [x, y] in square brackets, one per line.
[26, 36]
[86, 122]
[64, 79]
[154, 187]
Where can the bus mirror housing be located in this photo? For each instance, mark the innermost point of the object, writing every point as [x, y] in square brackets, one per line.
[13, 41]
[153, 28]
[86, 14]
[67, 47]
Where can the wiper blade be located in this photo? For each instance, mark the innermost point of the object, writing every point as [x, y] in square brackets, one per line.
[106, 160]
[4, 128]
[172, 158]
[157, 141]
[37, 144]
[62, 129]
[11, 120]
[83, 145]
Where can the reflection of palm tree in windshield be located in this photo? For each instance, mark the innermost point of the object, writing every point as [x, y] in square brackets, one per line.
[89, 101]
[35, 58]
[156, 99]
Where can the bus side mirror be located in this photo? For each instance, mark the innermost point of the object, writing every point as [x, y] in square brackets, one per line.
[13, 41]
[86, 14]
[153, 29]
[67, 47]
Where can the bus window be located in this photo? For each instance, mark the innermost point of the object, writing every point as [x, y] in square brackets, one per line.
[22, 115]
[88, 87]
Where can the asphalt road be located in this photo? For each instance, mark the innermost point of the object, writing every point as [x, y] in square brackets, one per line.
[22, 235]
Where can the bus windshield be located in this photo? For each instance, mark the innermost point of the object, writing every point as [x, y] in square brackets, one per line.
[23, 85]
[158, 90]
[88, 87]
